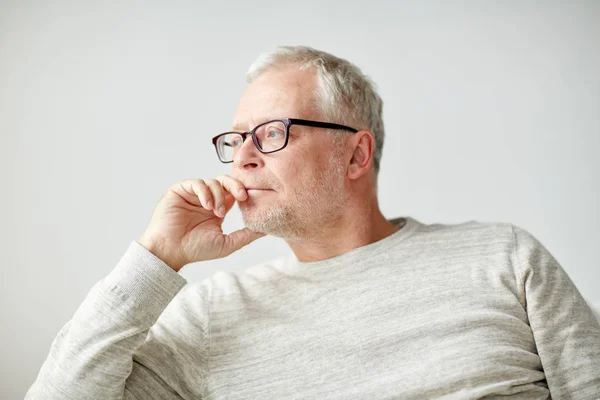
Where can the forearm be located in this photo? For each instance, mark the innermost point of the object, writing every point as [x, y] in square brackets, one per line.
[91, 356]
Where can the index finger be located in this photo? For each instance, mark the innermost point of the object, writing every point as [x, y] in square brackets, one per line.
[233, 186]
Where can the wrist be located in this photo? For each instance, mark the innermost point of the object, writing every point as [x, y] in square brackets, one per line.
[156, 247]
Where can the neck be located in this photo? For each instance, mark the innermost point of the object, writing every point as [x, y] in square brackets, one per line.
[356, 227]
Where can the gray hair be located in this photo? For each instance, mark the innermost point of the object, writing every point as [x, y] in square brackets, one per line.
[344, 95]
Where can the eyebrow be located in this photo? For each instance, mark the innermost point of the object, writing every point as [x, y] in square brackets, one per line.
[237, 125]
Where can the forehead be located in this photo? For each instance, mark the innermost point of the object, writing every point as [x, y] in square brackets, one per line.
[283, 92]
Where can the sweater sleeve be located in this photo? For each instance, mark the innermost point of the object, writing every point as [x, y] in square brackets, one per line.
[92, 355]
[565, 329]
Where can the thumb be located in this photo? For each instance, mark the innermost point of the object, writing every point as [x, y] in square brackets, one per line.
[238, 239]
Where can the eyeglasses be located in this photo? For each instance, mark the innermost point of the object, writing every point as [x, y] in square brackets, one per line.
[268, 137]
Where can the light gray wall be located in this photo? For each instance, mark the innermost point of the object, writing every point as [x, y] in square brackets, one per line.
[491, 108]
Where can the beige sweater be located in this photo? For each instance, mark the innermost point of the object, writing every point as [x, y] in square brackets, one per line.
[458, 311]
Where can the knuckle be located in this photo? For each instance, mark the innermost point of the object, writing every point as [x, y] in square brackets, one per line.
[204, 189]
[218, 187]
[212, 182]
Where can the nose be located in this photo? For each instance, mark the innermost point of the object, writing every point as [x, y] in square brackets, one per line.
[248, 156]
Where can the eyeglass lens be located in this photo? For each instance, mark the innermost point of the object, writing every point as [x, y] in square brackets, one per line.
[270, 137]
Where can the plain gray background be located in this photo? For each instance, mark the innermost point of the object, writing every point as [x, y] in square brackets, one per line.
[492, 112]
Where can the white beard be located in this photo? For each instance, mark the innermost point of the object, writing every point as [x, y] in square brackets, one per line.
[307, 210]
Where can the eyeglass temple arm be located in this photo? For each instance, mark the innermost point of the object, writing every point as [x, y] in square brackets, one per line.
[317, 124]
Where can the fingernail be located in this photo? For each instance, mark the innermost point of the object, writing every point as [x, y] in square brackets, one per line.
[209, 204]
[241, 191]
[222, 210]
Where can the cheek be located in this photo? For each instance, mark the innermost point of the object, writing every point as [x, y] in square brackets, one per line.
[299, 169]
[291, 174]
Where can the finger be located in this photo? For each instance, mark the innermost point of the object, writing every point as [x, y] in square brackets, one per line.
[186, 190]
[233, 186]
[238, 239]
[218, 194]
[229, 202]
[204, 194]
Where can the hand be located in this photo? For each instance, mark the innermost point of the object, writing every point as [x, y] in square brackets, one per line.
[186, 224]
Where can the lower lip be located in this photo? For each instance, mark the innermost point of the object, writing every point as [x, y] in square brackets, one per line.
[254, 192]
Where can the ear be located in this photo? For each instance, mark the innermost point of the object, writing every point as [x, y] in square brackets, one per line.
[363, 145]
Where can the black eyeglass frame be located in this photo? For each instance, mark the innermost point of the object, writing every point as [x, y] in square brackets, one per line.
[287, 122]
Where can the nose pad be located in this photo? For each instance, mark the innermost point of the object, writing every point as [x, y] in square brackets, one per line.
[252, 144]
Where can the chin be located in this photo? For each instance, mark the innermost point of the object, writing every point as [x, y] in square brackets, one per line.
[274, 221]
[261, 220]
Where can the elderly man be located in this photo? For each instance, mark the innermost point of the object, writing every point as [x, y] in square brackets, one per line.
[362, 308]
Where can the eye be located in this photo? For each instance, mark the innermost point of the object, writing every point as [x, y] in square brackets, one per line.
[274, 133]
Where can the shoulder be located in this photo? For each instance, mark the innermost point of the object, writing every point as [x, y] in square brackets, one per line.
[475, 231]
[229, 282]
[476, 237]
[489, 238]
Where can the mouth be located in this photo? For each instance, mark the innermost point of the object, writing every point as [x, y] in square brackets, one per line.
[257, 191]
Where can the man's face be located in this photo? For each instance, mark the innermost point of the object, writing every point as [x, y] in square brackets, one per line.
[304, 182]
